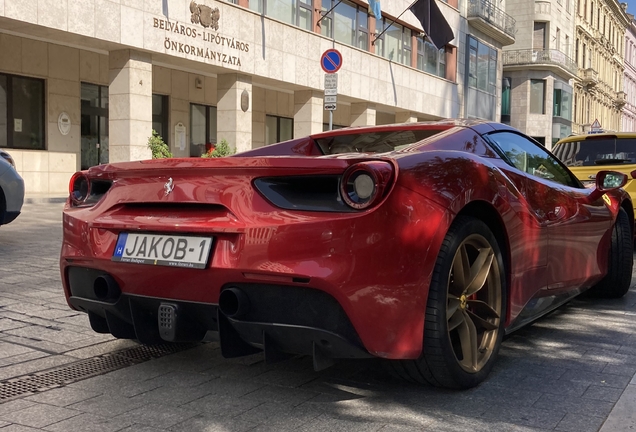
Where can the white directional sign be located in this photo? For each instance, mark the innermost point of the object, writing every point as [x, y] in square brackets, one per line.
[331, 81]
[331, 91]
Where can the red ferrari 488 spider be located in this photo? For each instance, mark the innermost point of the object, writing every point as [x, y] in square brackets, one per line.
[421, 244]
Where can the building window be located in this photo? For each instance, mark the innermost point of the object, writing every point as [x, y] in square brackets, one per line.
[21, 112]
[292, 12]
[482, 74]
[539, 39]
[94, 127]
[160, 116]
[395, 43]
[537, 96]
[202, 129]
[351, 23]
[576, 52]
[505, 100]
[562, 101]
[278, 129]
[430, 59]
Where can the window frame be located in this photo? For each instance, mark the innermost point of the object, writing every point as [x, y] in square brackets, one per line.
[101, 112]
[480, 81]
[10, 114]
[405, 43]
[297, 5]
[208, 137]
[163, 118]
[543, 100]
[357, 29]
[278, 128]
[422, 47]
[569, 180]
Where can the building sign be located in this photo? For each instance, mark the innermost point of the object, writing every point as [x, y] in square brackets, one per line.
[204, 43]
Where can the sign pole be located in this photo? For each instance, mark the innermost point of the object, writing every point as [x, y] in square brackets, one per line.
[331, 61]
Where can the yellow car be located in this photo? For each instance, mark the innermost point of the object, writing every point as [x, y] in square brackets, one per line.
[588, 154]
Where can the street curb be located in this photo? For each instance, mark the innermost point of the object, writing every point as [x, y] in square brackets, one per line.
[622, 417]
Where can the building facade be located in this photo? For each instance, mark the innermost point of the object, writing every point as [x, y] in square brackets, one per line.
[85, 82]
[628, 123]
[539, 69]
[599, 53]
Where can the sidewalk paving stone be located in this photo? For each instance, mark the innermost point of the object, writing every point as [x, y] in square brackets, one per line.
[39, 415]
[580, 423]
[89, 423]
[158, 415]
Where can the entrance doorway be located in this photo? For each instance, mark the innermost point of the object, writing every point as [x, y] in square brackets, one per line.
[94, 150]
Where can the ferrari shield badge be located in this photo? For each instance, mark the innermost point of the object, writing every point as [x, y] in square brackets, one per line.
[169, 186]
[607, 200]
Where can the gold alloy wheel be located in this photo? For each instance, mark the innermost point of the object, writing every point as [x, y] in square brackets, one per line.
[474, 303]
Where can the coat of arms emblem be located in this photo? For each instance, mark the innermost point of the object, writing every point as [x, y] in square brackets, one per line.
[205, 15]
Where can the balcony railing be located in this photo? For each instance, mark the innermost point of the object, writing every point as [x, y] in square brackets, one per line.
[621, 99]
[549, 57]
[589, 77]
[496, 17]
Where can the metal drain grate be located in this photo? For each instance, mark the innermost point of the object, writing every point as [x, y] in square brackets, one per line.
[84, 369]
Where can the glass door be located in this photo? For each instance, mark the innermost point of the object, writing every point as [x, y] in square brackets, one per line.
[94, 140]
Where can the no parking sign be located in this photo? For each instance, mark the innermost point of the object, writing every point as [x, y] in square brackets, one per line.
[331, 61]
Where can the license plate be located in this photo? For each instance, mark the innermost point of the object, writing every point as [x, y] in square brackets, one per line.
[163, 250]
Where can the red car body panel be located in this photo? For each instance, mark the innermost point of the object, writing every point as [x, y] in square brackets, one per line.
[377, 263]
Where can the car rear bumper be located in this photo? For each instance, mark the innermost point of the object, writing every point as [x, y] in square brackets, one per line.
[274, 318]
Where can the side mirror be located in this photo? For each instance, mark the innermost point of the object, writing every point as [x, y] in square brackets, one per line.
[607, 181]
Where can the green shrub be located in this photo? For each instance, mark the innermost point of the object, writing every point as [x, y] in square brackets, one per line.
[159, 149]
[222, 149]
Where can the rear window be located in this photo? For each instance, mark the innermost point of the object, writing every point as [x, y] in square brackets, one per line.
[597, 151]
[373, 142]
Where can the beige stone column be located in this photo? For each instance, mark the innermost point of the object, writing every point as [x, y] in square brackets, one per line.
[308, 112]
[362, 114]
[130, 105]
[233, 123]
[405, 117]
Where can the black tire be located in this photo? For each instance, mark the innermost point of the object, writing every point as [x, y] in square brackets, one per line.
[443, 362]
[621, 260]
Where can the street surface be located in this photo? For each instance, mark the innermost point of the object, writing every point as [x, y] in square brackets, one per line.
[565, 372]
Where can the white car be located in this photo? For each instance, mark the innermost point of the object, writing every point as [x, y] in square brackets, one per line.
[11, 189]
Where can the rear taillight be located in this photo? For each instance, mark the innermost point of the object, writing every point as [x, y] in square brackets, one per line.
[86, 192]
[79, 188]
[363, 184]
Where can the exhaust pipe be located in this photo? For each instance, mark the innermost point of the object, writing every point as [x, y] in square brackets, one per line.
[105, 288]
[233, 302]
